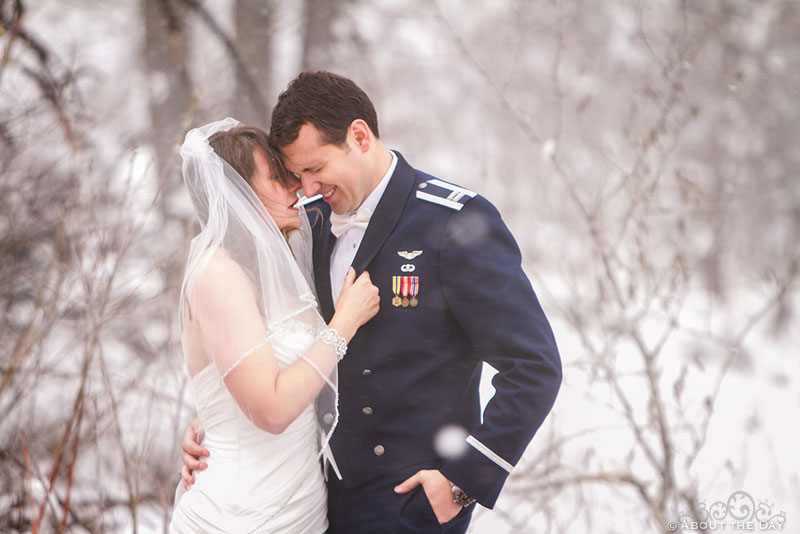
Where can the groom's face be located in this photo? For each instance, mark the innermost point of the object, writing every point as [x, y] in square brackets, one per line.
[339, 172]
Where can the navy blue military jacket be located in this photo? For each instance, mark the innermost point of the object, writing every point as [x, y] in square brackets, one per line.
[412, 370]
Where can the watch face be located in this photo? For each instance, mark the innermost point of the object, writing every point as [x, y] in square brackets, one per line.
[459, 497]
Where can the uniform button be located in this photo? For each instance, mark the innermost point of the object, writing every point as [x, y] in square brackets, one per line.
[328, 418]
[378, 450]
[366, 410]
[366, 372]
[423, 185]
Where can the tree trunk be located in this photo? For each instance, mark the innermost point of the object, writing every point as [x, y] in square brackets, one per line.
[171, 91]
[254, 19]
[319, 20]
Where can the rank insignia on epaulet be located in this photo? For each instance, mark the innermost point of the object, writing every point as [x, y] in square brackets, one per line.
[444, 194]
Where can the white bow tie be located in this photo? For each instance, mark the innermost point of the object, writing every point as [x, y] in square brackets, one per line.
[342, 223]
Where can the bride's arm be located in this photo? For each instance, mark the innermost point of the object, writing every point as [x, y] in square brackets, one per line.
[233, 327]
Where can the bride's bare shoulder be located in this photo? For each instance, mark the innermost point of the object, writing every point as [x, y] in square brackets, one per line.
[218, 273]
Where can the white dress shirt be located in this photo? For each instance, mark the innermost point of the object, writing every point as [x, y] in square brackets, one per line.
[346, 246]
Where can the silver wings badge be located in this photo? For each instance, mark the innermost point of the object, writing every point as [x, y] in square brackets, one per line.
[409, 255]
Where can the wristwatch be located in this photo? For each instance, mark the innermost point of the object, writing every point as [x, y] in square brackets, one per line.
[459, 497]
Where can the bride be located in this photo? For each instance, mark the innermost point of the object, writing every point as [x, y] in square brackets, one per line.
[262, 361]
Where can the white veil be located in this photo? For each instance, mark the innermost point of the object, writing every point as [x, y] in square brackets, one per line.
[234, 223]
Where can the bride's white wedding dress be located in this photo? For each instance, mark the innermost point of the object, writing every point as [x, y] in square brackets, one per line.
[244, 277]
[256, 482]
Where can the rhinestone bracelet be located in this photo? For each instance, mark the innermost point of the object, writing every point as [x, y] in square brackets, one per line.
[331, 337]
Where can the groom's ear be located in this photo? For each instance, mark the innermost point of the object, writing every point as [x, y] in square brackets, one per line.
[361, 135]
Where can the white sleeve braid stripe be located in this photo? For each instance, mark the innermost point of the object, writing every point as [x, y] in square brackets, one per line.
[489, 453]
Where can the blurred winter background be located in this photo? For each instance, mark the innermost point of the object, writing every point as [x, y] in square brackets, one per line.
[644, 152]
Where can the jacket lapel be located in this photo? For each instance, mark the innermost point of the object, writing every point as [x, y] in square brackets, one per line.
[387, 214]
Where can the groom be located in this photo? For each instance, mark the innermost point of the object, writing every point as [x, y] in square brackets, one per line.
[412, 446]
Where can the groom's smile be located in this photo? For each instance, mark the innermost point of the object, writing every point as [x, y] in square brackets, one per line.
[327, 195]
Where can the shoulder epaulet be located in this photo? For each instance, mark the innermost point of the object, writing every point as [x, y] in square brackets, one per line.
[444, 194]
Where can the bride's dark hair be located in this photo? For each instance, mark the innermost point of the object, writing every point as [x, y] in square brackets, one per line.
[236, 147]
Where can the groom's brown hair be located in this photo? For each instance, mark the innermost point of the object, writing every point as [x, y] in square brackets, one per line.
[327, 101]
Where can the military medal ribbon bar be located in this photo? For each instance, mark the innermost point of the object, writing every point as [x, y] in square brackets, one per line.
[403, 287]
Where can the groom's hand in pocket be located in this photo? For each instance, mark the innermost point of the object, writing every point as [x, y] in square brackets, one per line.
[437, 490]
[192, 452]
